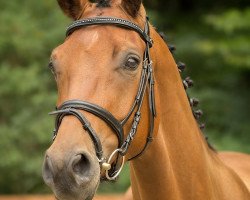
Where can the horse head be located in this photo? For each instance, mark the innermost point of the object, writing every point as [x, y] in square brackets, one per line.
[106, 111]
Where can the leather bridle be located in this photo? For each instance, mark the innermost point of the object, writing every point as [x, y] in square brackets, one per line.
[74, 107]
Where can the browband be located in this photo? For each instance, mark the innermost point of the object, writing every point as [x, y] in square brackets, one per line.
[109, 21]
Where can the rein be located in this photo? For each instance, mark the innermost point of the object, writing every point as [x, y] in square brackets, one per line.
[74, 107]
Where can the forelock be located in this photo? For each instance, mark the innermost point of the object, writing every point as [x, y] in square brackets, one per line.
[102, 3]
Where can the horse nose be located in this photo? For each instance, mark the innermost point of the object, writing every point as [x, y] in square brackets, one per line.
[76, 170]
[48, 171]
[80, 168]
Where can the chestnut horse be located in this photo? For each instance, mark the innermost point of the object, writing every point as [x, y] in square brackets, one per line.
[109, 64]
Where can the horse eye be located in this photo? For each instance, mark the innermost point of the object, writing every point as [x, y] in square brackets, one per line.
[132, 63]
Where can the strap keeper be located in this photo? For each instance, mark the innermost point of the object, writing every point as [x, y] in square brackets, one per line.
[150, 139]
[86, 126]
[150, 41]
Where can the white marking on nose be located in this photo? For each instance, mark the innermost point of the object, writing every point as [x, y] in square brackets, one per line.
[92, 40]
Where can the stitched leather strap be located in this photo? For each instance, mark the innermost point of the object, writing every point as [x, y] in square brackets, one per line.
[109, 21]
[98, 111]
[85, 123]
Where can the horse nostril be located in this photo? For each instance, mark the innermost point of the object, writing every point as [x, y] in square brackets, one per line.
[81, 168]
[48, 171]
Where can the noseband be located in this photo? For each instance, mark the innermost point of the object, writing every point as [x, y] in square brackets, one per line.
[74, 107]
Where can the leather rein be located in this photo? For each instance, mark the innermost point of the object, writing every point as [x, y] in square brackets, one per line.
[74, 107]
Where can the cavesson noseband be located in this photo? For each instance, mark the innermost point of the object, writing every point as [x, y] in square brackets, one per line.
[74, 107]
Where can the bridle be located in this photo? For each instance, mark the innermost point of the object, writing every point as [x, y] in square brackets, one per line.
[74, 107]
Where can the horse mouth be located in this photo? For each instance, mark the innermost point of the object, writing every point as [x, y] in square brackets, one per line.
[88, 198]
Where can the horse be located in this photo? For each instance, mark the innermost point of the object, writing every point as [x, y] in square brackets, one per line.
[115, 71]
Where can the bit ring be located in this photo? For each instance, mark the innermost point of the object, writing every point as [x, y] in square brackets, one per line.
[117, 173]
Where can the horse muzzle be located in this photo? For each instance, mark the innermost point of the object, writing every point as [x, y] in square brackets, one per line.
[74, 177]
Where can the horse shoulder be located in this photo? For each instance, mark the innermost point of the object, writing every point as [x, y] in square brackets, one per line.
[240, 163]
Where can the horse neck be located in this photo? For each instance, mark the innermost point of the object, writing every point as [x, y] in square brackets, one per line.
[178, 164]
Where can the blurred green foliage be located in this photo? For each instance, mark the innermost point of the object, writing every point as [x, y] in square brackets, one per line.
[212, 37]
[27, 91]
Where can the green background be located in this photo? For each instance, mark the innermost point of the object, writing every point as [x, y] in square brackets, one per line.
[212, 37]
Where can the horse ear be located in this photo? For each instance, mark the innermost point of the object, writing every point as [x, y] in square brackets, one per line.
[132, 7]
[72, 8]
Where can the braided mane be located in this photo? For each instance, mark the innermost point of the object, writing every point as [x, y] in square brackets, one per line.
[188, 83]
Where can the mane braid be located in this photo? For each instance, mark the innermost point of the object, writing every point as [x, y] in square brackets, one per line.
[181, 69]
